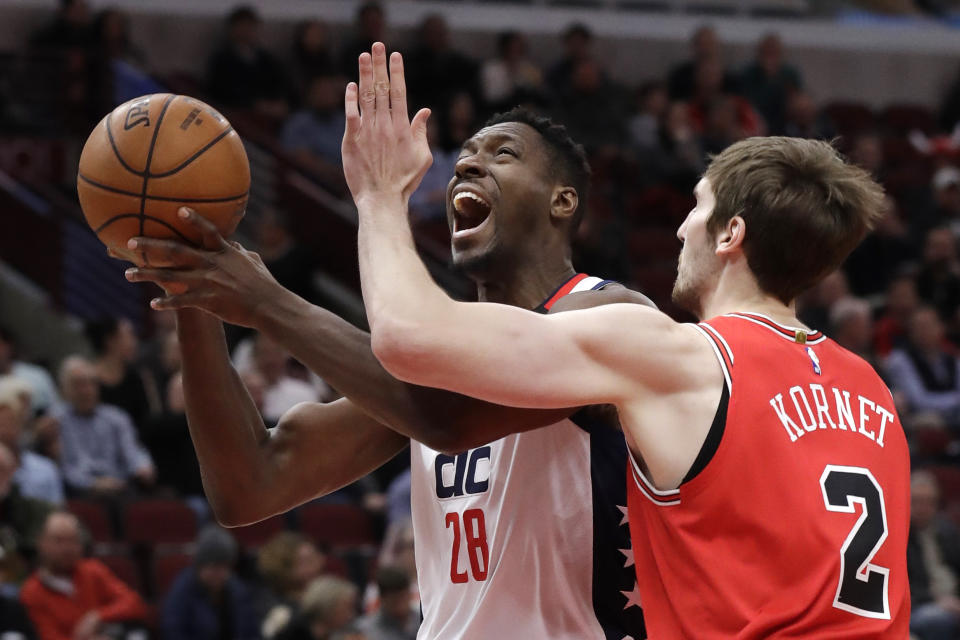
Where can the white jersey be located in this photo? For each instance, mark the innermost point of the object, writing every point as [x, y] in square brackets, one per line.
[527, 536]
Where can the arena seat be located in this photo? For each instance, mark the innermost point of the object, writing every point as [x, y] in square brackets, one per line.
[159, 522]
[259, 533]
[165, 569]
[93, 515]
[948, 477]
[851, 118]
[337, 525]
[125, 568]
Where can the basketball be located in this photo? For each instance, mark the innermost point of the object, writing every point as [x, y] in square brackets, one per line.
[152, 155]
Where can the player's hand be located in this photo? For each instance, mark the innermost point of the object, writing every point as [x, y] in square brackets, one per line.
[384, 153]
[219, 277]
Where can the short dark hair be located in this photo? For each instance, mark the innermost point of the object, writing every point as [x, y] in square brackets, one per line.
[100, 331]
[392, 580]
[789, 191]
[243, 13]
[568, 156]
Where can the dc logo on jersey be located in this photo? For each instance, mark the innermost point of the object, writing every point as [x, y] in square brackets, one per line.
[814, 359]
[466, 473]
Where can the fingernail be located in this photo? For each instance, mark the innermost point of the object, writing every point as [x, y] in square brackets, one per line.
[155, 303]
[129, 273]
[184, 213]
[131, 244]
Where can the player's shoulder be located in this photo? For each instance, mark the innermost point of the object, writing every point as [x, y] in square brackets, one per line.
[611, 293]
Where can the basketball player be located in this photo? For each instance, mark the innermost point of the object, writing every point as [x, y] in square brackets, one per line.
[520, 528]
[769, 481]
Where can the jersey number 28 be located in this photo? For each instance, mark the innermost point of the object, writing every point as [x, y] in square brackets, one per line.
[475, 535]
[863, 586]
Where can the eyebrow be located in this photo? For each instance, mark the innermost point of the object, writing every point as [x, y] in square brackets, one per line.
[474, 142]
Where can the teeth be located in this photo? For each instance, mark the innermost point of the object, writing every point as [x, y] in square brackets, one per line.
[467, 194]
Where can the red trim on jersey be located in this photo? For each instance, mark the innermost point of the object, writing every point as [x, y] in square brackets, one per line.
[718, 340]
[779, 328]
[564, 290]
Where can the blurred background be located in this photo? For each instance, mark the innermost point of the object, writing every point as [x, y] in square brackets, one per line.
[650, 87]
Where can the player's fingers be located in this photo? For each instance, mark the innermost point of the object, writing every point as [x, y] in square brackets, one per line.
[381, 81]
[398, 90]
[368, 98]
[180, 301]
[210, 235]
[164, 276]
[168, 253]
[352, 110]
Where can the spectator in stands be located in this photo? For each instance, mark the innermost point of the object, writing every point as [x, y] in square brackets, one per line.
[924, 371]
[950, 109]
[867, 153]
[678, 159]
[167, 438]
[705, 48]
[938, 281]
[768, 82]
[21, 518]
[16, 622]
[119, 70]
[122, 383]
[429, 201]
[100, 451]
[329, 606]
[802, 120]
[312, 56]
[435, 70]
[313, 134]
[882, 254]
[288, 564]
[711, 103]
[398, 498]
[371, 26]
[395, 619]
[946, 196]
[207, 601]
[933, 563]
[244, 75]
[851, 326]
[593, 108]
[511, 78]
[69, 29]
[159, 356]
[814, 306]
[70, 598]
[293, 265]
[577, 47]
[458, 121]
[644, 126]
[36, 476]
[43, 391]
[282, 390]
[722, 125]
[890, 329]
[397, 551]
[256, 386]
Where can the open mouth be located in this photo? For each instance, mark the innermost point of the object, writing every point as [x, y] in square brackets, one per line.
[470, 211]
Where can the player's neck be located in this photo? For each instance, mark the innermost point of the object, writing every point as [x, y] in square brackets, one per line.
[742, 296]
[527, 285]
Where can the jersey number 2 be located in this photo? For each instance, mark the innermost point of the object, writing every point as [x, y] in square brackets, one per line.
[475, 532]
[863, 586]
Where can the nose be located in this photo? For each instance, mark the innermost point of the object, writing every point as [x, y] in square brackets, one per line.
[469, 167]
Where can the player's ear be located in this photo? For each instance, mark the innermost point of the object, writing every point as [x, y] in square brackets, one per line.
[731, 236]
[564, 203]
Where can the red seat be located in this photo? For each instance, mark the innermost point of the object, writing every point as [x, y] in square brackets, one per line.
[259, 533]
[159, 522]
[948, 477]
[93, 516]
[123, 566]
[337, 525]
[166, 568]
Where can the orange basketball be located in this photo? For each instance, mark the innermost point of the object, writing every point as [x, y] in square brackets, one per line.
[153, 155]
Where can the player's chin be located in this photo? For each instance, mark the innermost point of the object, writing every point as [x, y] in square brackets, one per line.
[473, 258]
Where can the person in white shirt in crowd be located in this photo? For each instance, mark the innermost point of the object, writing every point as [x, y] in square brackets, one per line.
[37, 476]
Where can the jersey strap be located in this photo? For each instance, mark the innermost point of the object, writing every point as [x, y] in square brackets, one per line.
[579, 282]
[794, 334]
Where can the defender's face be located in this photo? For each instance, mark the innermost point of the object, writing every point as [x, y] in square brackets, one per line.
[697, 263]
[499, 195]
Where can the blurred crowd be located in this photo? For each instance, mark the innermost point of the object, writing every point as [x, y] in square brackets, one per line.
[110, 427]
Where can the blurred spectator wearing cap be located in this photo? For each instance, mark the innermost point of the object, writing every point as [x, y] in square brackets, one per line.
[435, 70]
[43, 390]
[511, 78]
[933, 563]
[938, 281]
[314, 133]
[288, 564]
[36, 476]
[705, 48]
[244, 75]
[371, 26]
[396, 618]
[100, 453]
[924, 371]
[890, 329]
[122, 384]
[21, 518]
[207, 601]
[70, 598]
[328, 607]
[769, 81]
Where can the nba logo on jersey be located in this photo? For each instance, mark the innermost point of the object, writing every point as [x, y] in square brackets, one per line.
[814, 359]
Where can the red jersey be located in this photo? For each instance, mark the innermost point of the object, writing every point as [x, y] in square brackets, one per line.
[797, 526]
